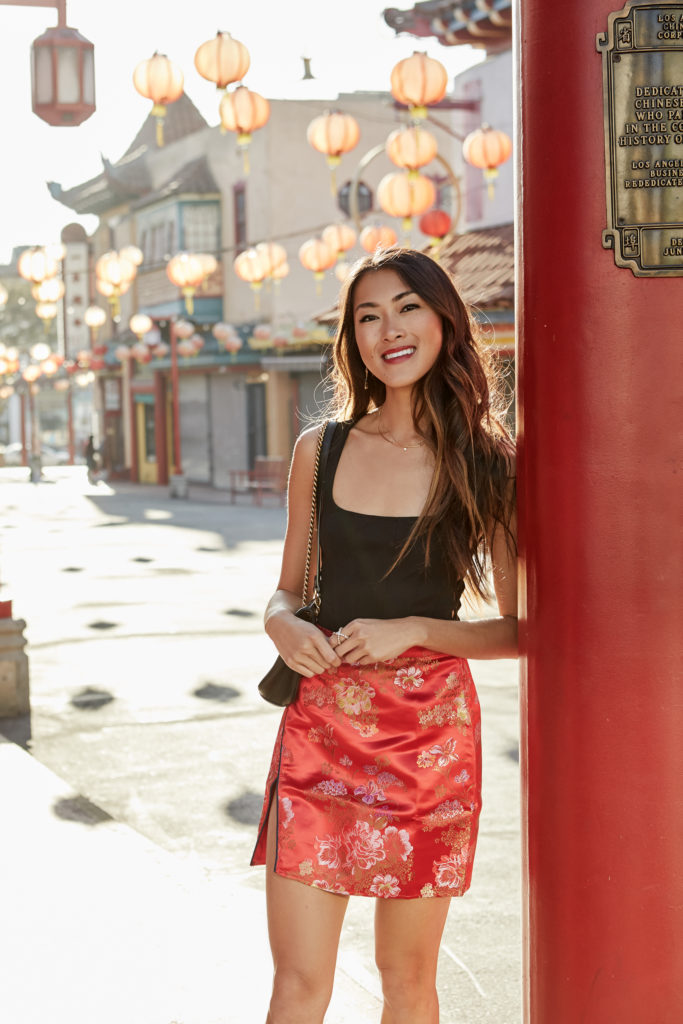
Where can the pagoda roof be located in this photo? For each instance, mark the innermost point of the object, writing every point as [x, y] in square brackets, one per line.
[193, 178]
[484, 24]
[482, 265]
[129, 178]
[182, 119]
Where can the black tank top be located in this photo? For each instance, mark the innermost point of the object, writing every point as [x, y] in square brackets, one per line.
[358, 549]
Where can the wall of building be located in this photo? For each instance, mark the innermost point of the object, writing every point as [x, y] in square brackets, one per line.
[227, 419]
[289, 198]
[195, 419]
[491, 84]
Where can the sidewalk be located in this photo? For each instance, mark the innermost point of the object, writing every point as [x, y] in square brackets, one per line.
[143, 697]
[100, 926]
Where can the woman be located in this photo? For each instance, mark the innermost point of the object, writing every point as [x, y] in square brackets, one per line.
[375, 785]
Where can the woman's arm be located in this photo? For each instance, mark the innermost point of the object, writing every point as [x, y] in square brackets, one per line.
[372, 640]
[302, 646]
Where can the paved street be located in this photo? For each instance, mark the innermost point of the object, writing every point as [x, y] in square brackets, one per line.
[145, 644]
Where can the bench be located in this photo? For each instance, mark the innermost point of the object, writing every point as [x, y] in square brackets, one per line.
[269, 476]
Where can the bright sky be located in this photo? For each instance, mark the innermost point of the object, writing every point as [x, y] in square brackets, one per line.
[350, 46]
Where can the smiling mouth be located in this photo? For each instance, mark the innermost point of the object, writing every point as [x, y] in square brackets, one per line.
[398, 353]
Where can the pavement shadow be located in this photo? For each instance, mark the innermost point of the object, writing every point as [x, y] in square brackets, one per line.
[216, 691]
[245, 809]
[235, 524]
[81, 810]
[17, 730]
[91, 699]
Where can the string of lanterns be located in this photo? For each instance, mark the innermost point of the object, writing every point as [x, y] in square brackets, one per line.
[114, 274]
[221, 60]
[417, 83]
[40, 266]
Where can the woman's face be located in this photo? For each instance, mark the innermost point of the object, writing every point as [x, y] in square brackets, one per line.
[398, 335]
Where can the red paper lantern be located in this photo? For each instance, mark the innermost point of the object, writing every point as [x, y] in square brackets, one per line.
[377, 236]
[222, 60]
[161, 81]
[186, 271]
[243, 111]
[317, 256]
[417, 82]
[436, 224]
[333, 134]
[340, 238]
[487, 148]
[405, 195]
[411, 147]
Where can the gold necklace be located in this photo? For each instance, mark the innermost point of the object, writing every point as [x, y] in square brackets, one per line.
[387, 436]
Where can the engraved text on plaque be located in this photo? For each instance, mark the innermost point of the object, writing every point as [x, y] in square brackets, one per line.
[642, 55]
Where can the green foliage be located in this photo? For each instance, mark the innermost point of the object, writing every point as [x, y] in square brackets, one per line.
[19, 326]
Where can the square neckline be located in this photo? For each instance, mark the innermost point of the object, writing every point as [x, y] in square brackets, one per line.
[347, 428]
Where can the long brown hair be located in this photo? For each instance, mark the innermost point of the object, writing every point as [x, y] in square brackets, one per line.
[455, 409]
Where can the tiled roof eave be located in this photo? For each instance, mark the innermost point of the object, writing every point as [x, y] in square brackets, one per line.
[480, 23]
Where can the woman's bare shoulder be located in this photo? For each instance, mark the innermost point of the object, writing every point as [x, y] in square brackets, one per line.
[307, 442]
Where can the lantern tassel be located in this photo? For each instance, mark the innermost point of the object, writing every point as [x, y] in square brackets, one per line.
[189, 302]
[243, 140]
[490, 175]
[333, 162]
[159, 112]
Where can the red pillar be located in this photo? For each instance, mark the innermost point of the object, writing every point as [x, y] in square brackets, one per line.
[161, 440]
[24, 441]
[599, 372]
[175, 400]
[70, 425]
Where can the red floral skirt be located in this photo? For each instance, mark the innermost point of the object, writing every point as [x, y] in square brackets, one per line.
[376, 776]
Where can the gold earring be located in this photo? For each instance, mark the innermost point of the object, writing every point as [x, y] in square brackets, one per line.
[365, 385]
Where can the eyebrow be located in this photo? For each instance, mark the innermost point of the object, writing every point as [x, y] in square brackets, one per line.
[401, 295]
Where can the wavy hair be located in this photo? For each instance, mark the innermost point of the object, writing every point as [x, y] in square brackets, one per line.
[457, 409]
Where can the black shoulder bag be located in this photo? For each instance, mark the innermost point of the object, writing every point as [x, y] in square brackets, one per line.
[280, 685]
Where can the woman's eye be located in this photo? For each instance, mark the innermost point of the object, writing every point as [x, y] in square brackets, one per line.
[366, 317]
[410, 305]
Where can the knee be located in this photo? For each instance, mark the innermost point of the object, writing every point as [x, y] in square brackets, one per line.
[409, 988]
[299, 995]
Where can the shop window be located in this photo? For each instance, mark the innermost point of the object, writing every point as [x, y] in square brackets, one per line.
[201, 227]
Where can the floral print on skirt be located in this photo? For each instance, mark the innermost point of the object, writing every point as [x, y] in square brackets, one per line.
[376, 777]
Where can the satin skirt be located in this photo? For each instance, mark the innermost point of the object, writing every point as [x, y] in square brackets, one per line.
[375, 780]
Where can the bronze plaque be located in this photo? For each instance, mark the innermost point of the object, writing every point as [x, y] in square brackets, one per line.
[642, 72]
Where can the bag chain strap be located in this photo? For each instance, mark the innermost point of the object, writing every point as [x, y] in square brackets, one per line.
[311, 525]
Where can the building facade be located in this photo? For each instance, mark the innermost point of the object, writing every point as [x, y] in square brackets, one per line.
[194, 195]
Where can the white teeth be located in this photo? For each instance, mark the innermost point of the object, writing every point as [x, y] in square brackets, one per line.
[398, 353]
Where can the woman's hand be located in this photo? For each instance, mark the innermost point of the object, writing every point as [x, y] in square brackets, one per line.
[301, 645]
[365, 641]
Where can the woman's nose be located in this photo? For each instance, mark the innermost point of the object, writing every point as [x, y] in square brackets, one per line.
[392, 328]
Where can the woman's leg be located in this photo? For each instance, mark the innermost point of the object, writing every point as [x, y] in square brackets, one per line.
[304, 924]
[407, 938]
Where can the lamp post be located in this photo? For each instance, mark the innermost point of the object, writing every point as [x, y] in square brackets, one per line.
[177, 329]
[62, 70]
